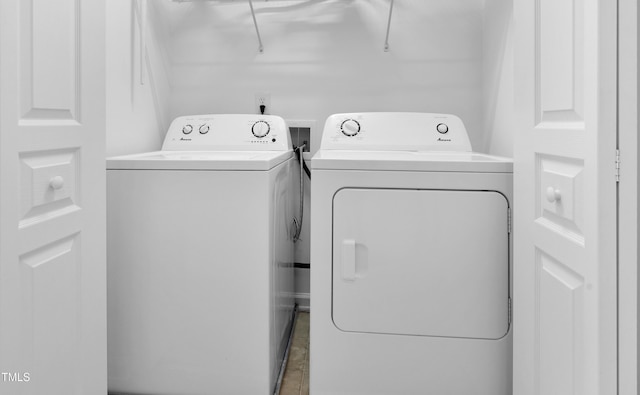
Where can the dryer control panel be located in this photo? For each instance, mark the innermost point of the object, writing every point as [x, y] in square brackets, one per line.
[395, 131]
[228, 132]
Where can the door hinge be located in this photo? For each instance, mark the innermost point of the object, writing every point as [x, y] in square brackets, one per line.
[617, 165]
[509, 220]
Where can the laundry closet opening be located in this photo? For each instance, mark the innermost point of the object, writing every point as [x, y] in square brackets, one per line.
[319, 58]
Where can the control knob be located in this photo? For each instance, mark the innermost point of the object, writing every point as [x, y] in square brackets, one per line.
[204, 129]
[260, 129]
[442, 128]
[350, 127]
[187, 129]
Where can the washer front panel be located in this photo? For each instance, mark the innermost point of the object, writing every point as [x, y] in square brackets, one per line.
[421, 262]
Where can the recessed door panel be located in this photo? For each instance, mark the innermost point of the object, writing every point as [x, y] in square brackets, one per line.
[421, 262]
[49, 60]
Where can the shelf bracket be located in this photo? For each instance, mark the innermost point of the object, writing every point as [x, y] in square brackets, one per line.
[255, 23]
[386, 40]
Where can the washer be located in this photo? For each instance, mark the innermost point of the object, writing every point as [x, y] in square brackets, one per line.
[410, 259]
[200, 259]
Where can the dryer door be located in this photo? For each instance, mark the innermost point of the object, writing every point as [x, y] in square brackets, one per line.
[421, 262]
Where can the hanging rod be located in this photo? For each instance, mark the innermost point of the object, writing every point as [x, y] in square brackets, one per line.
[255, 23]
[386, 40]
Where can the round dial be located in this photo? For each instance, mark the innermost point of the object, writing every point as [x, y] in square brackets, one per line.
[350, 127]
[260, 129]
[187, 129]
[204, 129]
[442, 128]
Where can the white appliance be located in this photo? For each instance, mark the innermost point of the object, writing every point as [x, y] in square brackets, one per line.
[200, 259]
[410, 259]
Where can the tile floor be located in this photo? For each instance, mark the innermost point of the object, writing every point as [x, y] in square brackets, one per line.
[296, 375]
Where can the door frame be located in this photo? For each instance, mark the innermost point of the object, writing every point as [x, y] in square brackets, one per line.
[628, 213]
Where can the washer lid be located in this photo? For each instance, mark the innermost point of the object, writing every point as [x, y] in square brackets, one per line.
[200, 160]
[411, 161]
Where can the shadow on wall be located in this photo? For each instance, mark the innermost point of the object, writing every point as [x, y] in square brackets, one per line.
[498, 69]
[137, 98]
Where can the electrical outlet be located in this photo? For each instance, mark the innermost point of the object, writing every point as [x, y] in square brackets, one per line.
[263, 99]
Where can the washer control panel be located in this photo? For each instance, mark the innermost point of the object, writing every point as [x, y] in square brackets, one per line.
[395, 132]
[228, 132]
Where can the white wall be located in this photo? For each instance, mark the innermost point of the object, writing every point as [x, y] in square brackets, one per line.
[137, 115]
[322, 57]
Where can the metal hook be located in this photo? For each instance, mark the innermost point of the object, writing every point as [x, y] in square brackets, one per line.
[386, 40]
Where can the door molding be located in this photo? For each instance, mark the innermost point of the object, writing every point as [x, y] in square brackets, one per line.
[628, 236]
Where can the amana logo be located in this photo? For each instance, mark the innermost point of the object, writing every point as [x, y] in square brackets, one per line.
[441, 139]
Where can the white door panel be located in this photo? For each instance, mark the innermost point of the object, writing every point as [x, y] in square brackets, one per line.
[52, 197]
[565, 194]
[421, 262]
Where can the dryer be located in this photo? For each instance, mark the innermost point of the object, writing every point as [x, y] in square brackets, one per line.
[200, 259]
[410, 259]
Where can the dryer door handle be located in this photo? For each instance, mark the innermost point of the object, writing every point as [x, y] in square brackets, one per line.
[349, 259]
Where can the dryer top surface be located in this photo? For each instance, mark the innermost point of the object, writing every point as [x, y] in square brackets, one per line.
[411, 161]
